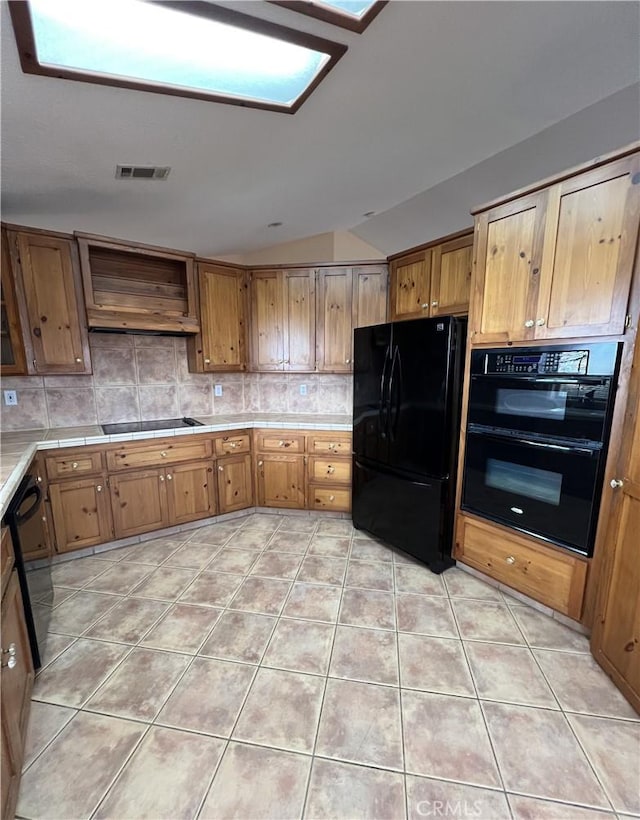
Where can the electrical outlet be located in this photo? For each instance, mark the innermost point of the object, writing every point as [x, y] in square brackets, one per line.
[303, 389]
[217, 389]
[10, 397]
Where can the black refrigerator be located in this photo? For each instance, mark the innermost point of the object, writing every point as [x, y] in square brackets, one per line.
[407, 383]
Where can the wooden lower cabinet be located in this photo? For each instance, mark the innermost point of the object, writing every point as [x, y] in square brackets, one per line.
[16, 683]
[552, 576]
[336, 499]
[81, 513]
[280, 481]
[191, 492]
[139, 502]
[235, 483]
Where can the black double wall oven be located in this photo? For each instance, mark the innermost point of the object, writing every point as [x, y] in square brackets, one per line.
[537, 437]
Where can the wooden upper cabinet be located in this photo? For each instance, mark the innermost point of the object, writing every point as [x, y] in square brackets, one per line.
[370, 295]
[558, 263]
[410, 286]
[451, 277]
[299, 320]
[509, 258]
[12, 360]
[267, 317]
[49, 291]
[137, 287]
[283, 320]
[334, 340]
[221, 343]
[590, 243]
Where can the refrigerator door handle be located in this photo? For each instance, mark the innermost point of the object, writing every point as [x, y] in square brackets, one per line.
[393, 420]
[383, 410]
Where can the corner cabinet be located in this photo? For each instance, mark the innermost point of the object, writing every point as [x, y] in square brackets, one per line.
[48, 289]
[558, 263]
[221, 344]
[432, 281]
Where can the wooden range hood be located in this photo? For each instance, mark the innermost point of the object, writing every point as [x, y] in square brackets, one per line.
[137, 288]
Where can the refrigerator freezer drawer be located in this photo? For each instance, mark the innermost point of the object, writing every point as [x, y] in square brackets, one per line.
[405, 513]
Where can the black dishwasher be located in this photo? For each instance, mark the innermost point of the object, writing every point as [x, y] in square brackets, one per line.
[27, 524]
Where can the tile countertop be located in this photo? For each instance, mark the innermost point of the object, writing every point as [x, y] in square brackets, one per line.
[18, 447]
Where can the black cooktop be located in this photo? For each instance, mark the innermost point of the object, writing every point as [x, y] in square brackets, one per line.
[144, 426]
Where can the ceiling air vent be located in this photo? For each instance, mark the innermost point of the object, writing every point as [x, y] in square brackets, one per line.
[142, 171]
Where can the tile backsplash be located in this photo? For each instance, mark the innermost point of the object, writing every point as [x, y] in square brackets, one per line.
[146, 377]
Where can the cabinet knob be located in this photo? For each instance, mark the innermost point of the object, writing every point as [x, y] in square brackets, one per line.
[331, 469]
[161, 478]
[616, 483]
[233, 444]
[540, 322]
[163, 454]
[39, 479]
[424, 305]
[78, 359]
[332, 498]
[99, 488]
[529, 323]
[207, 361]
[347, 361]
[169, 477]
[10, 663]
[11, 652]
[434, 304]
[510, 560]
[74, 465]
[220, 469]
[260, 463]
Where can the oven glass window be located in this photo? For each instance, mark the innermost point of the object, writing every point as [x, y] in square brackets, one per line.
[542, 485]
[540, 404]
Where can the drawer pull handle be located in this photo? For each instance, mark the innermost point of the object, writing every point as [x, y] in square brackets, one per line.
[529, 323]
[207, 361]
[331, 469]
[284, 444]
[163, 454]
[616, 483]
[78, 359]
[332, 498]
[510, 560]
[74, 465]
[424, 305]
[233, 444]
[99, 488]
[10, 663]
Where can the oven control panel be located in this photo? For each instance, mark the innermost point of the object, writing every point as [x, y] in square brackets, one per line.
[532, 362]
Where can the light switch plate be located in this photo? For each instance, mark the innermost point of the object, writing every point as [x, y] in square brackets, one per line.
[217, 389]
[303, 389]
[10, 397]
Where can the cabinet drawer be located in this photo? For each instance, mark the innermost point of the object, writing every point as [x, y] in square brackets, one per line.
[73, 463]
[280, 442]
[7, 557]
[330, 498]
[339, 444]
[233, 444]
[158, 453]
[551, 576]
[331, 470]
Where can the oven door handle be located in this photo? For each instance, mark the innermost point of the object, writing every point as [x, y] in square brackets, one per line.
[557, 447]
[33, 509]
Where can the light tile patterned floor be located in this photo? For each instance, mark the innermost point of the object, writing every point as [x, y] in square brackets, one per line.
[287, 667]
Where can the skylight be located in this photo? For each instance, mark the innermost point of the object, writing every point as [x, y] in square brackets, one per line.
[352, 14]
[207, 51]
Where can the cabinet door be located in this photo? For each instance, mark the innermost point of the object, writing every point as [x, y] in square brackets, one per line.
[280, 481]
[615, 641]
[54, 305]
[81, 513]
[370, 296]
[12, 360]
[191, 492]
[451, 277]
[509, 253]
[334, 320]
[267, 344]
[16, 682]
[410, 286]
[299, 320]
[235, 485]
[139, 502]
[222, 313]
[592, 231]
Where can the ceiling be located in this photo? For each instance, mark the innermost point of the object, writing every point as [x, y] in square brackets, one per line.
[435, 108]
